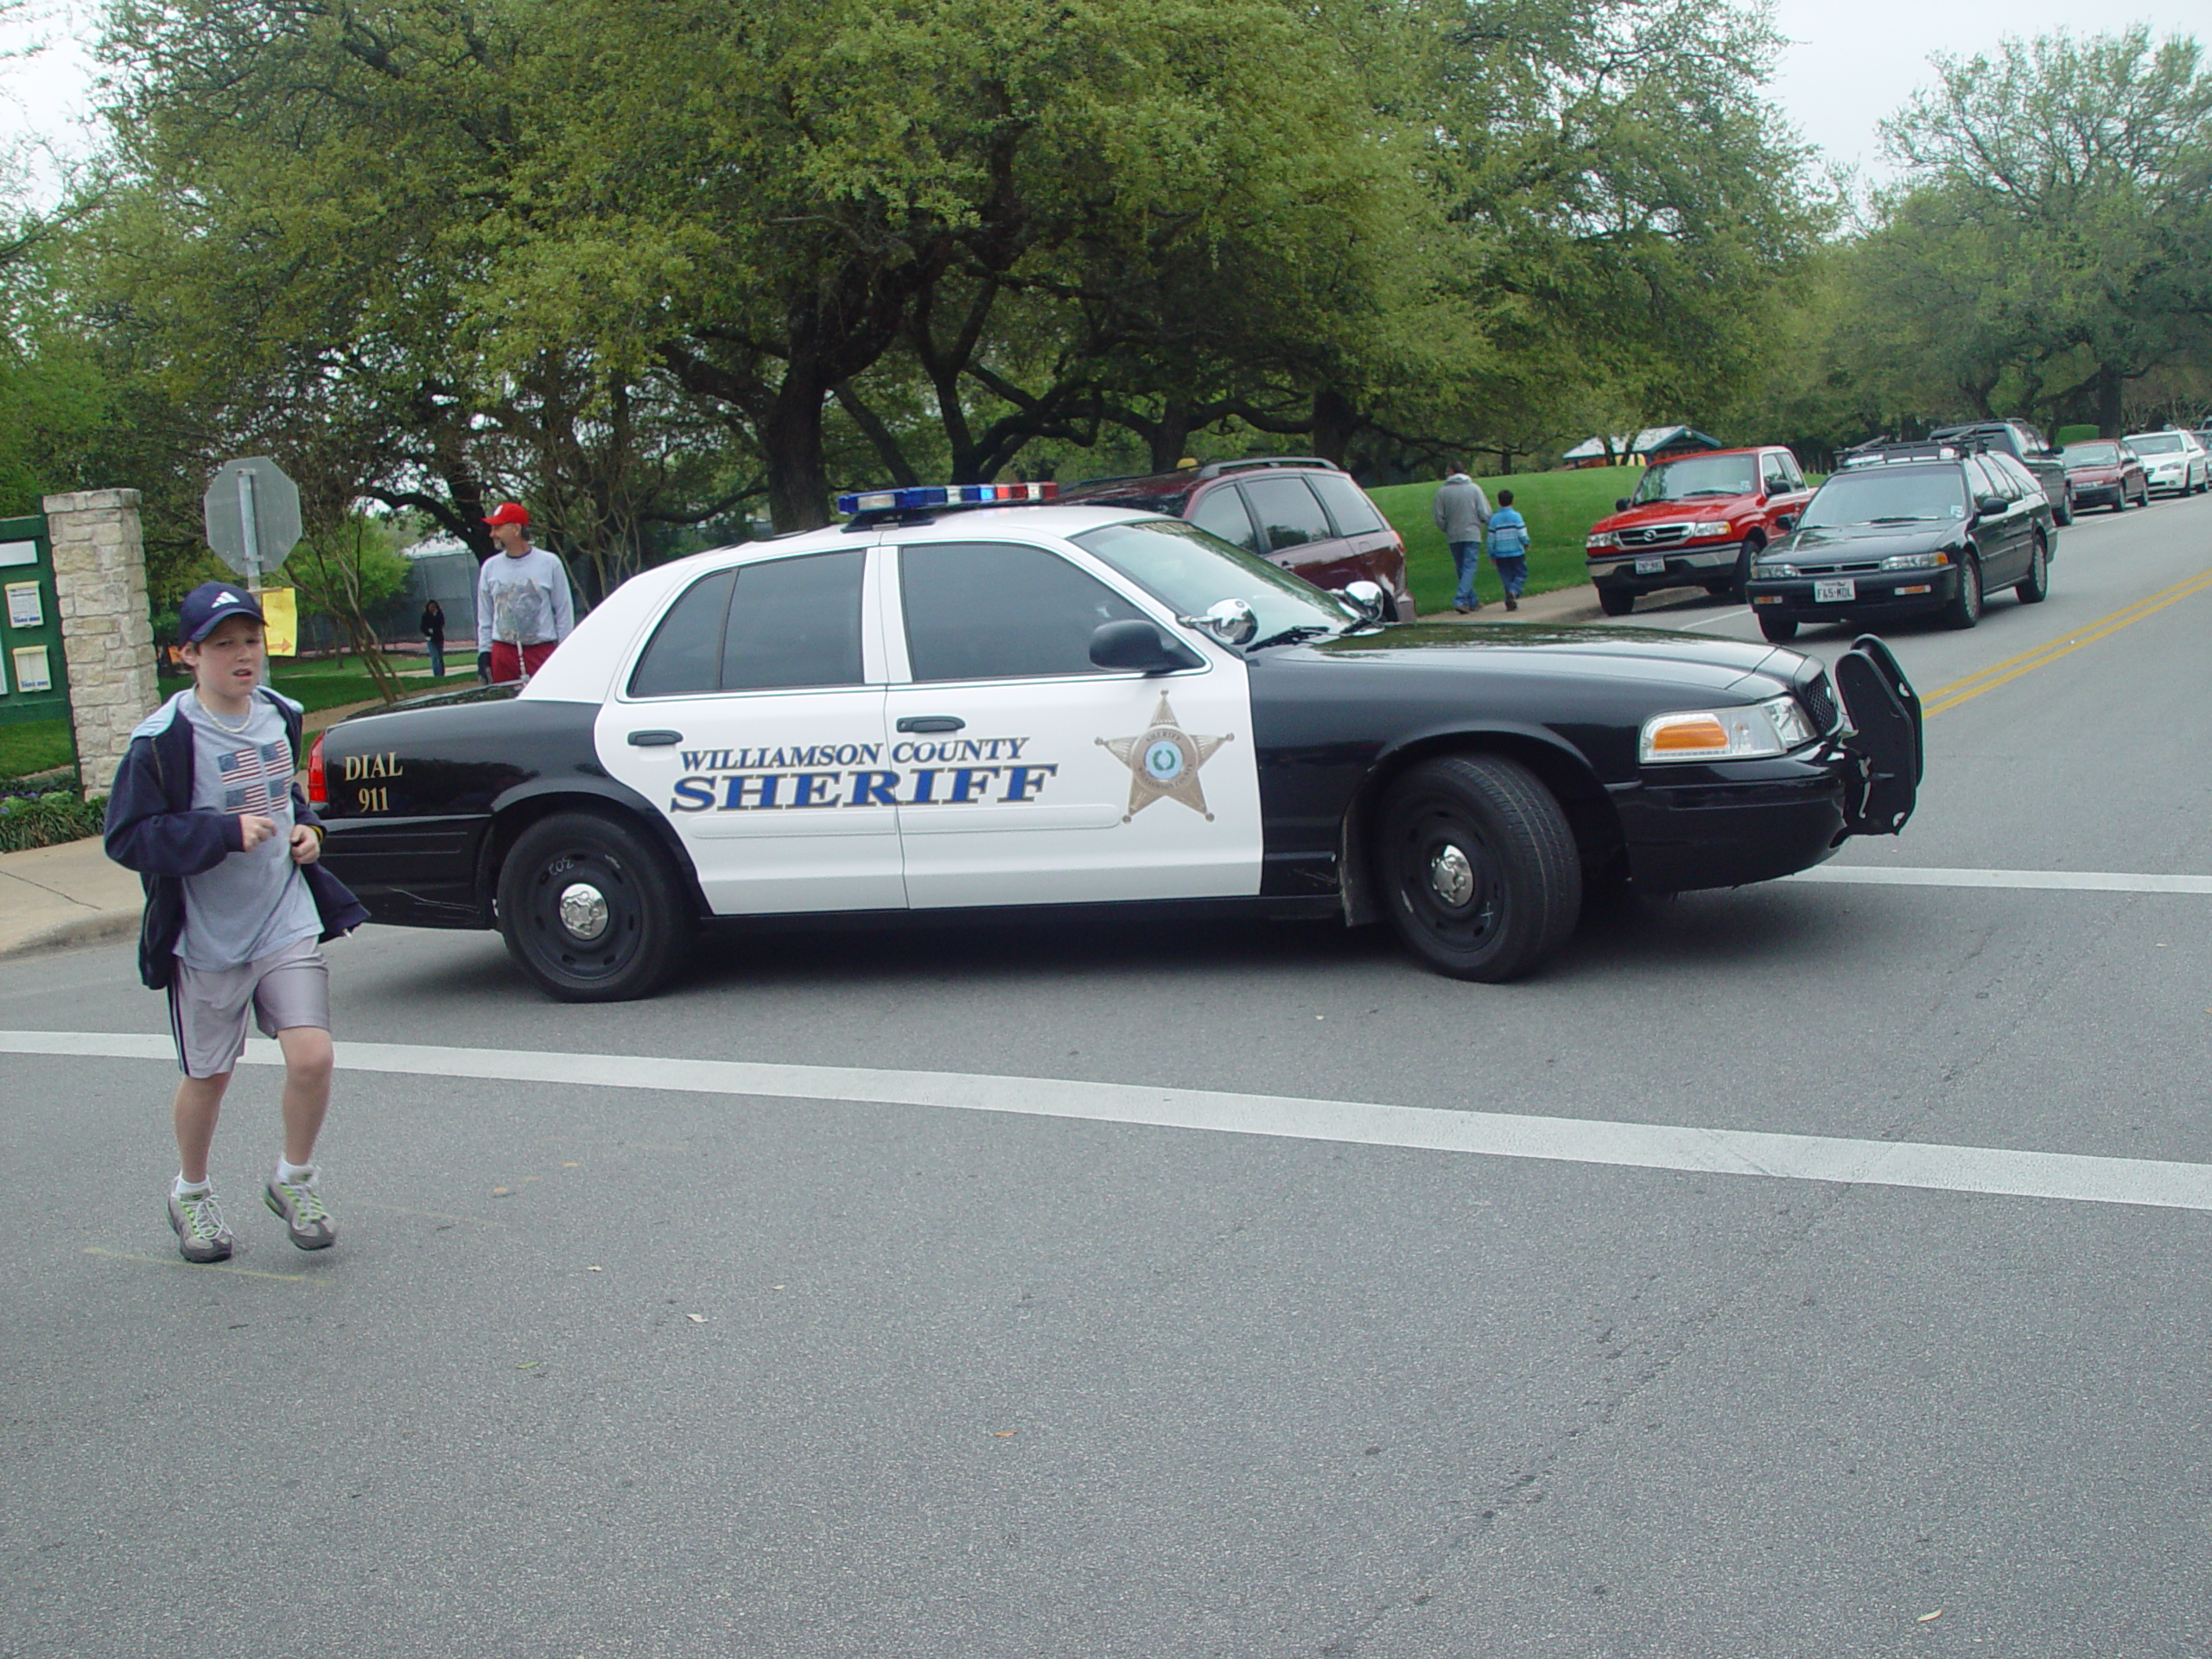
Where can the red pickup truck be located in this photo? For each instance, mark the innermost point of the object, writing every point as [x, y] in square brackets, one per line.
[1696, 522]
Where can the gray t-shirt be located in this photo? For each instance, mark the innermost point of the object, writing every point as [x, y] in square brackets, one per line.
[255, 902]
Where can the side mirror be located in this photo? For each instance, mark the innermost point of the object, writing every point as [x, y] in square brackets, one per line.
[1990, 505]
[1229, 621]
[1366, 598]
[1620, 505]
[1139, 645]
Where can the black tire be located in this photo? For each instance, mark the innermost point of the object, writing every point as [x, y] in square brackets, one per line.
[1616, 602]
[2064, 511]
[2143, 495]
[1964, 607]
[1779, 630]
[2034, 588]
[1740, 584]
[645, 926]
[1516, 879]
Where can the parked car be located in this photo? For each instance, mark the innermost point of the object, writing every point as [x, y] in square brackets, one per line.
[2026, 445]
[1700, 521]
[2174, 461]
[941, 706]
[1304, 513]
[2105, 473]
[1927, 528]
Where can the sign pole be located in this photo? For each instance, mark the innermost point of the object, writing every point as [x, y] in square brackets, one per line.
[252, 532]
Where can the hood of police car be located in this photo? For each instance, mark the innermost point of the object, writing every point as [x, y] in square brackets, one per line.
[1646, 656]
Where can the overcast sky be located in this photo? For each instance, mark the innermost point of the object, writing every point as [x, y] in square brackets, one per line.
[1850, 65]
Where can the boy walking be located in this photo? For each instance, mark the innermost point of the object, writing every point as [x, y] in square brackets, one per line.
[204, 810]
[1508, 547]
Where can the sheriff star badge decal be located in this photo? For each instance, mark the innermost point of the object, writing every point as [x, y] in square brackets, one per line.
[1163, 762]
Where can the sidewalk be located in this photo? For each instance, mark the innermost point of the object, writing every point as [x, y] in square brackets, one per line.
[59, 898]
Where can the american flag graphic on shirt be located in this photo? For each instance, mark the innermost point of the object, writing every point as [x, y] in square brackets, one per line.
[255, 779]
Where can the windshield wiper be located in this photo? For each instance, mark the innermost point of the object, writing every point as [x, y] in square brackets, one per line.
[1293, 636]
[1900, 518]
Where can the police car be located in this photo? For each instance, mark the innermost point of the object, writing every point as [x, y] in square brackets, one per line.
[953, 703]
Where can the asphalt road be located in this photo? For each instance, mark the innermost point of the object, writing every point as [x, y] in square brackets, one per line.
[642, 1365]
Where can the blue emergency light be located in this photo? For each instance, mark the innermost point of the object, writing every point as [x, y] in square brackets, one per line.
[914, 498]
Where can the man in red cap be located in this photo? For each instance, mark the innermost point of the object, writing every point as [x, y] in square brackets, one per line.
[523, 604]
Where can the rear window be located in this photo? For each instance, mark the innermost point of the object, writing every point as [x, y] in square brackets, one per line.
[1347, 503]
[1288, 513]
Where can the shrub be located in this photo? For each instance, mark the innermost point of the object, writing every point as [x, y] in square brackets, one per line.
[59, 814]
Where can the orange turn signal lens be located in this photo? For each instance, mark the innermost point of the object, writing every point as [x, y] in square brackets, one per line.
[1693, 735]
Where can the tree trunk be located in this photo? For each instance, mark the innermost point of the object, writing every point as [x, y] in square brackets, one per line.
[2112, 411]
[1334, 422]
[1169, 438]
[791, 443]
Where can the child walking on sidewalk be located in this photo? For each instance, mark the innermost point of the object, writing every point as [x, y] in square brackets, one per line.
[225, 847]
[1508, 547]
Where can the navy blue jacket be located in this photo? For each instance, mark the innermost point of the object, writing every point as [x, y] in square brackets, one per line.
[152, 829]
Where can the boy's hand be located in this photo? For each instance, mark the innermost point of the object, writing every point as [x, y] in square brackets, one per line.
[253, 829]
[306, 846]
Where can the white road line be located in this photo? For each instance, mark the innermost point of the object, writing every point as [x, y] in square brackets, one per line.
[1710, 621]
[1880, 875]
[1640, 1145]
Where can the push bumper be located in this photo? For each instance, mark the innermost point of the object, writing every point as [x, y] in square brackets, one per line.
[1732, 823]
[1678, 566]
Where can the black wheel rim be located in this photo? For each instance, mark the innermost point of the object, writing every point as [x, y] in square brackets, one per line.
[566, 932]
[1448, 879]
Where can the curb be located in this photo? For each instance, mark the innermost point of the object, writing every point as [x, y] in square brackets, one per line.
[101, 927]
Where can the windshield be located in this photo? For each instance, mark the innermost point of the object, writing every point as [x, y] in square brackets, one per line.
[2157, 443]
[1192, 570]
[1886, 497]
[1698, 475]
[2093, 455]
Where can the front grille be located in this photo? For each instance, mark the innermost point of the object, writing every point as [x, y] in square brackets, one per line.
[1654, 535]
[1819, 697]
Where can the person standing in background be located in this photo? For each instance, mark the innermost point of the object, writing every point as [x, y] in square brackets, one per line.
[433, 630]
[1461, 512]
[523, 604]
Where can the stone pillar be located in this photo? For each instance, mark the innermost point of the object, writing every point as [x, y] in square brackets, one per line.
[107, 638]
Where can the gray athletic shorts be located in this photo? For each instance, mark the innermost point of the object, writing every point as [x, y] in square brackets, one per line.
[208, 1006]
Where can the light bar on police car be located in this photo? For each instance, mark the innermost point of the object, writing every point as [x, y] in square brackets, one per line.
[914, 497]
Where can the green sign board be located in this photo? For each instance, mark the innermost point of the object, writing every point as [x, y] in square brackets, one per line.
[33, 683]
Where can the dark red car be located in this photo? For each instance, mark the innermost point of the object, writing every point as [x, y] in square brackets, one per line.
[1700, 521]
[1304, 513]
[2105, 472]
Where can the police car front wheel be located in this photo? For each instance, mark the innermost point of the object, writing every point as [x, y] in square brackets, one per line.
[1480, 868]
[590, 910]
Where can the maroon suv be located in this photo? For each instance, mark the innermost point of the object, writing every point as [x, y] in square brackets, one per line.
[1304, 513]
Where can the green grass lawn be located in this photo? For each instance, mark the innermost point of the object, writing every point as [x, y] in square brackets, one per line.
[1560, 507]
[33, 745]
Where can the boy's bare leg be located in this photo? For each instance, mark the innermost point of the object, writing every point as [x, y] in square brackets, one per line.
[199, 1102]
[308, 1063]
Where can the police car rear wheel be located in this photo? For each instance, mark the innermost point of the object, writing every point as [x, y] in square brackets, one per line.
[1480, 872]
[590, 910]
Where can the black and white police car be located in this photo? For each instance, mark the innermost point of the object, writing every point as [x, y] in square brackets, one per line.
[949, 703]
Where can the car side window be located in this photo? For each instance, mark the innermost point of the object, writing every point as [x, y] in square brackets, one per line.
[1288, 514]
[795, 622]
[1221, 511]
[1775, 476]
[684, 656]
[1354, 514]
[998, 611]
[2020, 481]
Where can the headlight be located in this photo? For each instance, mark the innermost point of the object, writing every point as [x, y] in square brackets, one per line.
[1773, 727]
[1916, 560]
[1603, 538]
[1710, 527]
[1777, 568]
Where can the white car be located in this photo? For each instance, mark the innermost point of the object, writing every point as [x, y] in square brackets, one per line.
[2173, 461]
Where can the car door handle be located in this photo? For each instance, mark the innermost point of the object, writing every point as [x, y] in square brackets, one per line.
[654, 739]
[931, 723]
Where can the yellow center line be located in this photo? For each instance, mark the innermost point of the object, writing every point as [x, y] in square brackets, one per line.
[203, 1267]
[1996, 674]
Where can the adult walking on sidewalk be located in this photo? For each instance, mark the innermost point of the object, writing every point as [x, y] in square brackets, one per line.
[522, 605]
[1462, 512]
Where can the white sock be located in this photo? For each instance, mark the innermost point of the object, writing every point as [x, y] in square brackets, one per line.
[181, 1188]
[295, 1174]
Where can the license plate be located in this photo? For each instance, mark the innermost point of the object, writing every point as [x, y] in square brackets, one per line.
[1651, 567]
[1828, 593]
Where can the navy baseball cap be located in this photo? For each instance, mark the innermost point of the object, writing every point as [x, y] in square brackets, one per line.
[211, 603]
